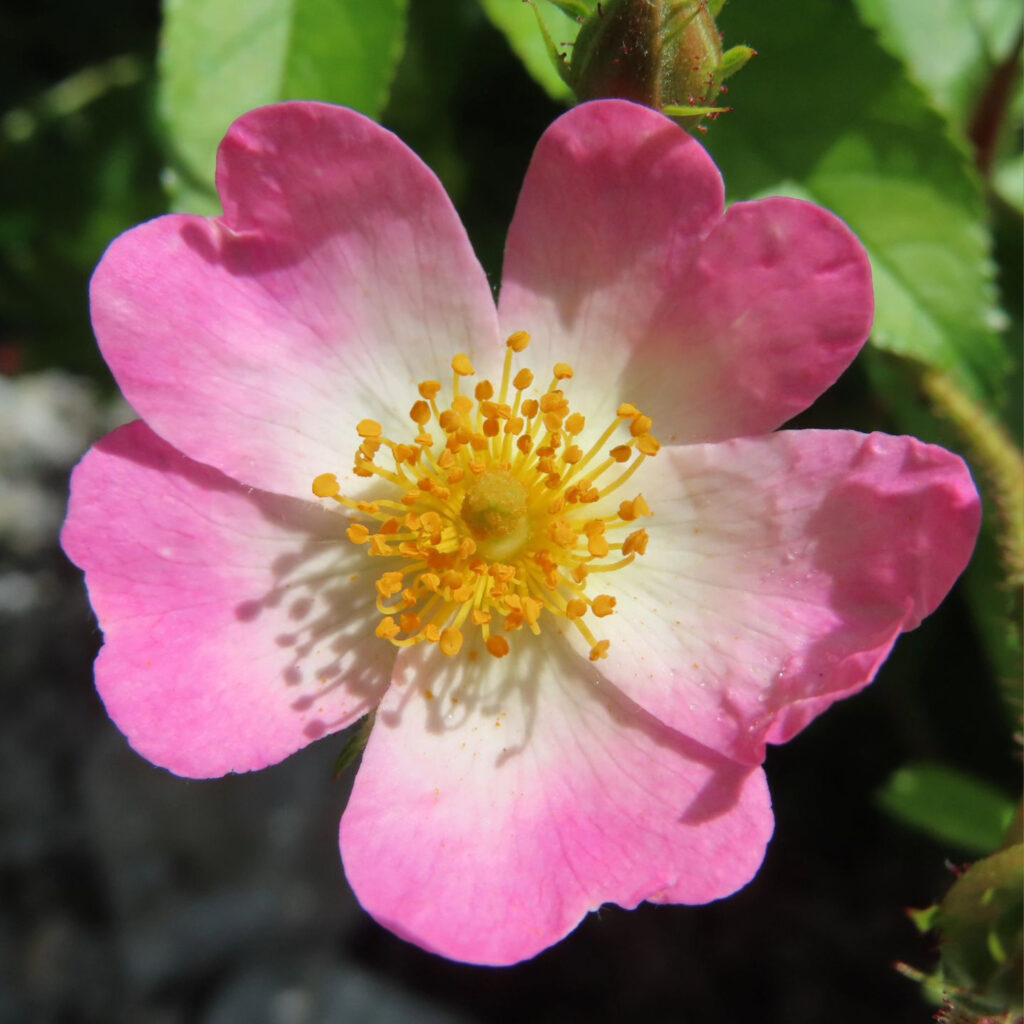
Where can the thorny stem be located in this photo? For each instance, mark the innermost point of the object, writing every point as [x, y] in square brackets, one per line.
[998, 458]
[1002, 464]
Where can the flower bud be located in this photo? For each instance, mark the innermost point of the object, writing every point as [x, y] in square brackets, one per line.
[666, 54]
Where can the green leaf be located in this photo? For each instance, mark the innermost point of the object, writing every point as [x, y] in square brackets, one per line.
[949, 805]
[1008, 180]
[220, 58]
[518, 22]
[948, 46]
[826, 113]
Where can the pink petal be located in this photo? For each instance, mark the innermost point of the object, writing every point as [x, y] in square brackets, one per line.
[779, 572]
[234, 634]
[619, 262]
[493, 810]
[339, 277]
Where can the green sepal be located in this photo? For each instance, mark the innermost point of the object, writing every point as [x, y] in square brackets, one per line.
[733, 60]
[924, 920]
[356, 737]
[982, 942]
[556, 55]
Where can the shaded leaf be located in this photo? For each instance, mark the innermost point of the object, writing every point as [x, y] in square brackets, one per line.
[518, 23]
[948, 46]
[219, 59]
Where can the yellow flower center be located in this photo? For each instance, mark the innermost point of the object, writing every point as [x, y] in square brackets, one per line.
[493, 525]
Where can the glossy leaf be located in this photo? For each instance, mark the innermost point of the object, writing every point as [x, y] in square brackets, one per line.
[823, 112]
[220, 58]
[948, 46]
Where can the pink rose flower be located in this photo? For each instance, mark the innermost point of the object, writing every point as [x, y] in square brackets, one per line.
[581, 601]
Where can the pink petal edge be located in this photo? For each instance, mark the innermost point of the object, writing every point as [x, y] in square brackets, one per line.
[339, 276]
[233, 635]
[495, 809]
[619, 261]
[780, 570]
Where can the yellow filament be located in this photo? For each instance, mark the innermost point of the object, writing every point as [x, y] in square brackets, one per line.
[494, 526]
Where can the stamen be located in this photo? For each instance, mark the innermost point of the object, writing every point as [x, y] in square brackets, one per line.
[494, 525]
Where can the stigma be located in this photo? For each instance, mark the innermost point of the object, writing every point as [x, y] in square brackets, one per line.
[498, 521]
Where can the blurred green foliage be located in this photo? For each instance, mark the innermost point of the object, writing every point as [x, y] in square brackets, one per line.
[219, 58]
[949, 804]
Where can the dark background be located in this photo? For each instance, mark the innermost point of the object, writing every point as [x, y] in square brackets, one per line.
[127, 894]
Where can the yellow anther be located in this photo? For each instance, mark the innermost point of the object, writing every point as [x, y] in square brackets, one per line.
[484, 391]
[379, 546]
[628, 411]
[514, 425]
[532, 607]
[358, 534]
[598, 546]
[635, 543]
[524, 443]
[553, 401]
[530, 408]
[451, 579]
[518, 341]
[430, 581]
[391, 525]
[431, 632]
[411, 497]
[456, 475]
[420, 412]
[621, 453]
[514, 620]
[462, 404]
[563, 371]
[603, 604]
[497, 646]
[641, 425]
[326, 485]
[429, 389]
[479, 617]
[593, 526]
[575, 424]
[410, 622]
[389, 584]
[553, 420]
[572, 454]
[450, 421]
[491, 428]
[576, 608]
[640, 506]
[450, 642]
[648, 444]
[600, 650]
[462, 366]
[368, 428]
[387, 628]
[522, 380]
